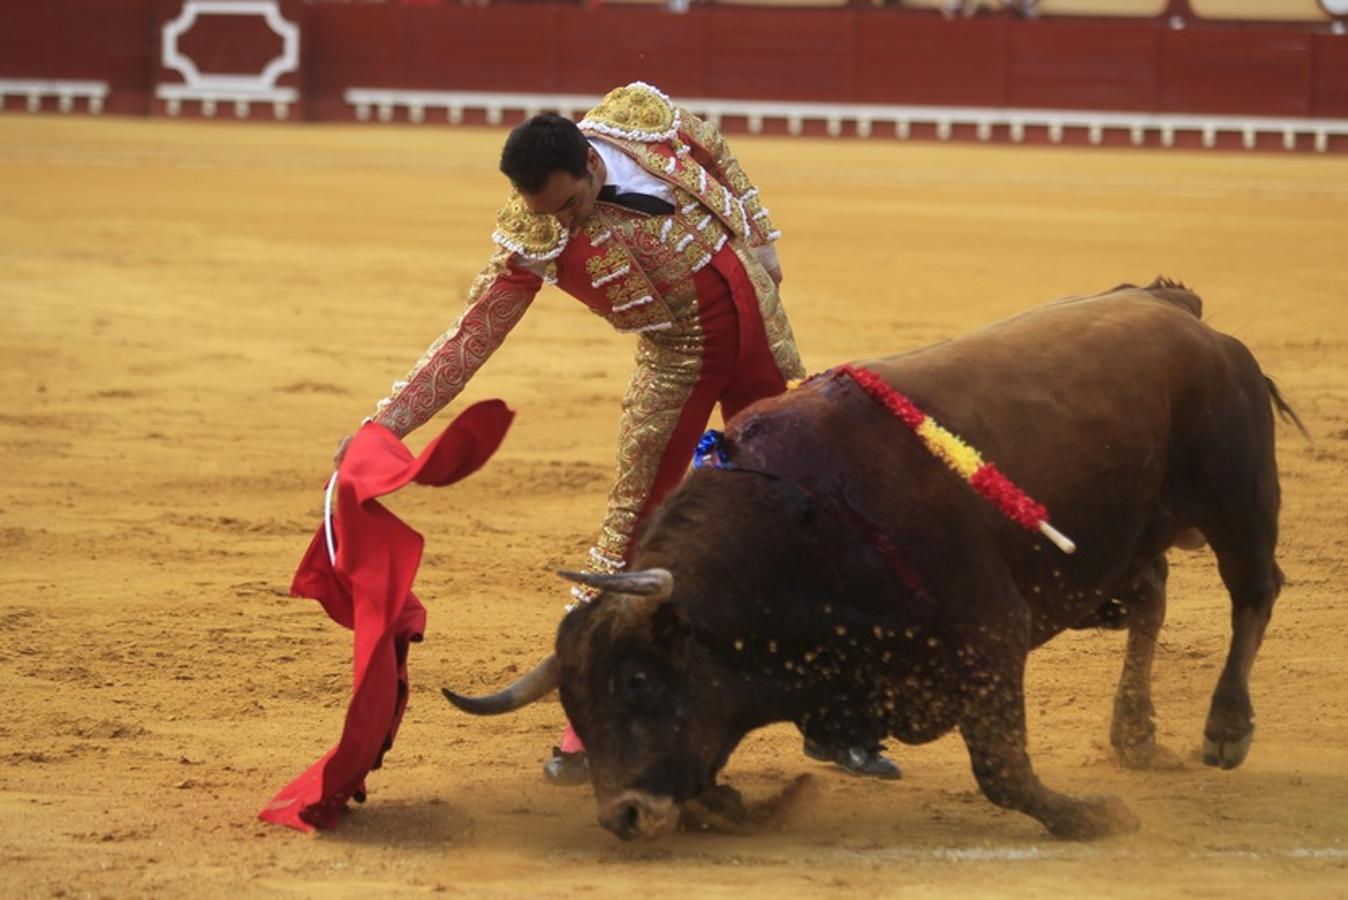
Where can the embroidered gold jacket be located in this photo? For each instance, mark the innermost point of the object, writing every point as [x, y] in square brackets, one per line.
[632, 269]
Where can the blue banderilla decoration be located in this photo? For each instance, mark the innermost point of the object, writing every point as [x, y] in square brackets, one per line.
[711, 451]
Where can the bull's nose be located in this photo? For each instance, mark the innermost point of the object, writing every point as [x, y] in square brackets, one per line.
[637, 814]
[623, 819]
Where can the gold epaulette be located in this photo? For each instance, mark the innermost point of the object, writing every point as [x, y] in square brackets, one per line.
[538, 237]
[637, 112]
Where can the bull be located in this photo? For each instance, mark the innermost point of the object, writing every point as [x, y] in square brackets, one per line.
[834, 574]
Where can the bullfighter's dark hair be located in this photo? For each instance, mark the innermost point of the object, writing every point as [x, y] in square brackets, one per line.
[544, 144]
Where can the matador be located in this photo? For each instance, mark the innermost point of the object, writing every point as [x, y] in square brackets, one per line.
[642, 213]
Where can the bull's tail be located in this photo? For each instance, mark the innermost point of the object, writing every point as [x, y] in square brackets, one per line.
[1285, 412]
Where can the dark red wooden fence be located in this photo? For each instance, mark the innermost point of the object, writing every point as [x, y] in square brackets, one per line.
[876, 55]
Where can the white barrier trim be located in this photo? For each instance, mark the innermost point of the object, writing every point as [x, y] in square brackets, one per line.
[240, 89]
[288, 31]
[94, 93]
[870, 118]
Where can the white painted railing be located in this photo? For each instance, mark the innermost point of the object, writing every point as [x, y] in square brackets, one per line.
[93, 93]
[241, 90]
[872, 120]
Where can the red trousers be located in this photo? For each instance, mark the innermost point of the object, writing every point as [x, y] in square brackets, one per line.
[737, 366]
[737, 369]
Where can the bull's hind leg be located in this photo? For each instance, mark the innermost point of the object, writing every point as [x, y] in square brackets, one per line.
[1241, 524]
[993, 727]
[1254, 582]
[1132, 731]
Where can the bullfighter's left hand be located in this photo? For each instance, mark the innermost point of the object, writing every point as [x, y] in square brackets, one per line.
[767, 255]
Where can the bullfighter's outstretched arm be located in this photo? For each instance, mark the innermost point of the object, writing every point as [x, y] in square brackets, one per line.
[711, 150]
[498, 299]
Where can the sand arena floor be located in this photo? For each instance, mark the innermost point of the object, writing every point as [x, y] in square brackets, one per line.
[192, 314]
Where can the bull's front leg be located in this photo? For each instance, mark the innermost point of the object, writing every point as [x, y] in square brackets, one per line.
[993, 727]
[719, 808]
[723, 809]
[1132, 731]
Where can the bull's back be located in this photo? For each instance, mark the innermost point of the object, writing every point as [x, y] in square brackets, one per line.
[1075, 338]
[1092, 371]
[1101, 408]
[1093, 405]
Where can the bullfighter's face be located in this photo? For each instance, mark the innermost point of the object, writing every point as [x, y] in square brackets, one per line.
[649, 706]
[569, 198]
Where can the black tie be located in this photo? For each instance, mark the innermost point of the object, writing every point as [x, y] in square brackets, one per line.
[632, 200]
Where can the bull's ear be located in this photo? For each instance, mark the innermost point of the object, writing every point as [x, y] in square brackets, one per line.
[668, 623]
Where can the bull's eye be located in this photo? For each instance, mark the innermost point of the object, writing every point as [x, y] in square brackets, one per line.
[640, 688]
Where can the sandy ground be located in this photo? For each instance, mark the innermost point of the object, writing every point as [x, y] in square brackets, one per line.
[192, 314]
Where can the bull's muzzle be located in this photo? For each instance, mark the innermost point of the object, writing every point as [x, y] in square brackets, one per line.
[637, 815]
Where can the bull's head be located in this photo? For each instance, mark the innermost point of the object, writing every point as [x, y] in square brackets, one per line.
[653, 709]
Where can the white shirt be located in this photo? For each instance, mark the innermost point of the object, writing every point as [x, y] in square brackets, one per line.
[625, 175]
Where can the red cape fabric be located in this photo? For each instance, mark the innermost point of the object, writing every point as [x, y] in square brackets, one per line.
[368, 590]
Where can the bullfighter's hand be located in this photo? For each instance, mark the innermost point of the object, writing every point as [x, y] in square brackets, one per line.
[340, 453]
[767, 255]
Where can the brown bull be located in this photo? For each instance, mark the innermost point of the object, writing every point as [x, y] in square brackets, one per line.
[836, 575]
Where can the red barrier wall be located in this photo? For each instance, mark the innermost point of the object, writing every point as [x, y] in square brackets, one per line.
[801, 55]
[100, 40]
[883, 55]
[1071, 65]
[1258, 71]
[623, 46]
[927, 60]
[1329, 78]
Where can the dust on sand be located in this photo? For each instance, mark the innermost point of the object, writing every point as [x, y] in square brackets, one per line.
[194, 313]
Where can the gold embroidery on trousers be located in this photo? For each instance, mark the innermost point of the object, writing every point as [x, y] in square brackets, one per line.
[668, 365]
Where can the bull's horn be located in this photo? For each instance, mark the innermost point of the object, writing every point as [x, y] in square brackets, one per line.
[533, 685]
[645, 583]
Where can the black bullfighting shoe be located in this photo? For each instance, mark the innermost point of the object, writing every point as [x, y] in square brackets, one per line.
[866, 761]
[567, 769]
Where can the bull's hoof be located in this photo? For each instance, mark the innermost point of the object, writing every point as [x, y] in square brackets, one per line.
[1134, 744]
[1136, 756]
[1155, 757]
[1093, 817]
[723, 810]
[1226, 754]
[1132, 734]
[723, 800]
[1139, 750]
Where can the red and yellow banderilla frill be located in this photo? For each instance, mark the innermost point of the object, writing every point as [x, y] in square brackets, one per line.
[984, 477]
